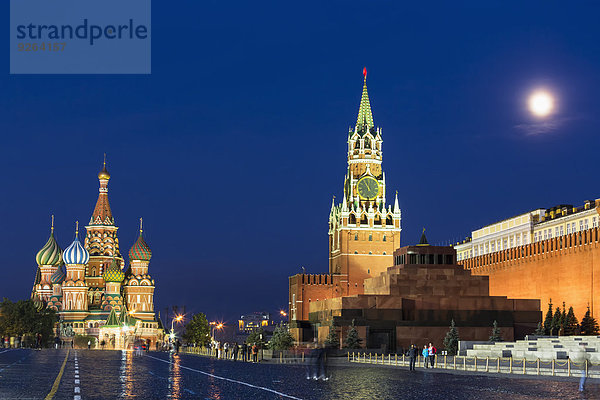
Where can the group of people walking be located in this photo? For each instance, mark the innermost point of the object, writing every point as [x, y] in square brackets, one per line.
[234, 351]
[428, 353]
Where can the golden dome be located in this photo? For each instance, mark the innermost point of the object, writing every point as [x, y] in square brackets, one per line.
[104, 173]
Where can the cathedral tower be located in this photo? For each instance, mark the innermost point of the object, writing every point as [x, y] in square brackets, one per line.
[101, 242]
[364, 231]
[139, 285]
[48, 260]
[74, 287]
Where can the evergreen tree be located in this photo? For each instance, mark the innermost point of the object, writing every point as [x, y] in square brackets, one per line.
[589, 326]
[451, 340]
[197, 330]
[540, 330]
[332, 339]
[570, 324]
[255, 337]
[496, 335]
[555, 325]
[282, 338]
[26, 318]
[563, 318]
[548, 319]
[353, 341]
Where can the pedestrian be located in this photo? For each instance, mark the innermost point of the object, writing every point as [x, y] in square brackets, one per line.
[425, 356]
[235, 351]
[412, 354]
[581, 357]
[432, 352]
[244, 352]
[56, 342]
[177, 346]
[226, 348]
[89, 344]
[254, 353]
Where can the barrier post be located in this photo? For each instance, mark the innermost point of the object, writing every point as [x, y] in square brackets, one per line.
[524, 364]
[369, 357]
[445, 361]
[487, 364]
[538, 366]
[396, 360]
[498, 365]
[586, 368]
[569, 367]
[455, 362]
[475, 363]
[553, 367]
[464, 363]
[510, 366]
[403, 364]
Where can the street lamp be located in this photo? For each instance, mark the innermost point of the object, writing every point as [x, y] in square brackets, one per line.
[215, 325]
[172, 334]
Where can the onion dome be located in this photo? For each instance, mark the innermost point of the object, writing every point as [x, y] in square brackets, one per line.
[113, 273]
[58, 276]
[140, 249]
[50, 254]
[76, 253]
[104, 173]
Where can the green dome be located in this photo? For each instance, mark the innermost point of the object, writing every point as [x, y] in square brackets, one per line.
[50, 254]
[113, 273]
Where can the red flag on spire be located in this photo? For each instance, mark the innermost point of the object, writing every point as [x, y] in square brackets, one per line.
[365, 72]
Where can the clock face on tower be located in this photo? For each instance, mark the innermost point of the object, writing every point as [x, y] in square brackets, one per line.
[368, 188]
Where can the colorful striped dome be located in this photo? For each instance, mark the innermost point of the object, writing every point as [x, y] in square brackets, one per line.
[140, 250]
[113, 273]
[76, 253]
[50, 254]
[58, 276]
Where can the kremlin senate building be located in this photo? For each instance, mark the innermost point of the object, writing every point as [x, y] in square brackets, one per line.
[87, 287]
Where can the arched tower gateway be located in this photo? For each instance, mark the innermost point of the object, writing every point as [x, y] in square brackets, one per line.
[364, 231]
[101, 242]
[139, 285]
[74, 287]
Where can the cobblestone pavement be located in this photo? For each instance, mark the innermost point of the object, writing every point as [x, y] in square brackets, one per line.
[29, 374]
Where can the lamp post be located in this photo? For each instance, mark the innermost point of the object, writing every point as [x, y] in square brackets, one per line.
[215, 325]
[172, 334]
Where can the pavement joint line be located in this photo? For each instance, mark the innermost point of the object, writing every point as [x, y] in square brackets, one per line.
[50, 395]
[16, 362]
[230, 380]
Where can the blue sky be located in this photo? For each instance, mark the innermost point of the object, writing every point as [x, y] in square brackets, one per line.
[233, 147]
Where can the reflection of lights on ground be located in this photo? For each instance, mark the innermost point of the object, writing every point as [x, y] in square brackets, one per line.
[126, 373]
[175, 377]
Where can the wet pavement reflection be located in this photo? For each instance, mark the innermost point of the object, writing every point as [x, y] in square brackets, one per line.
[28, 374]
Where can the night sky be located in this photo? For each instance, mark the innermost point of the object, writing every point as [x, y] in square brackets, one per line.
[233, 147]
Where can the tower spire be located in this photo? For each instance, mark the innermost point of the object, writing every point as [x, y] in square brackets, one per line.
[396, 206]
[364, 122]
[52, 225]
[102, 214]
[141, 222]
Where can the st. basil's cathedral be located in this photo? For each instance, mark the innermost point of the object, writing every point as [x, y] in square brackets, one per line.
[86, 285]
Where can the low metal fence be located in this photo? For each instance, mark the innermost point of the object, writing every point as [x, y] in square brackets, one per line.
[500, 365]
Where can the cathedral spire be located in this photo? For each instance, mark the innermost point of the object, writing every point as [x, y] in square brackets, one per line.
[396, 206]
[102, 214]
[364, 122]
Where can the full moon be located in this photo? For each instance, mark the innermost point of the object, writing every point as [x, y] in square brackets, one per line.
[541, 103]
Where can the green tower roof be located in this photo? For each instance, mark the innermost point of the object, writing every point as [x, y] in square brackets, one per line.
[112, 319]
[364, 122]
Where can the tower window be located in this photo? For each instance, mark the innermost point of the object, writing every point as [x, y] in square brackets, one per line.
[384, 238]
[370, 252]
[355, 252]
[384, 253]
[356, 236]
[370, 237]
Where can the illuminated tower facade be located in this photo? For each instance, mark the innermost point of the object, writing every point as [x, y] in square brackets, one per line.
[364, 230]
[101, 242]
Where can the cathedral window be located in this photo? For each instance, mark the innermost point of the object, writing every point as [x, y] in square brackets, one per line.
[370, 252]
[384, 253]
[384, 238]
[363, 219]
[370, 237]
[355, 252]
[352, 219]
[356, 236]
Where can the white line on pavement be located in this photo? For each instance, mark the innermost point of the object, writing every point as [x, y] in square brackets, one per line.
[229, 380]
